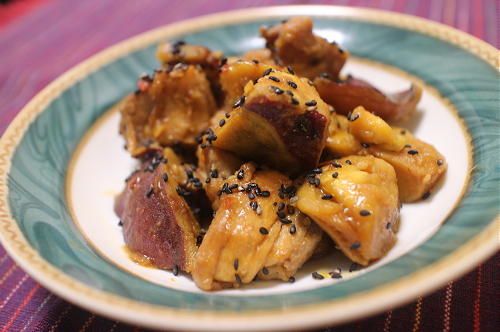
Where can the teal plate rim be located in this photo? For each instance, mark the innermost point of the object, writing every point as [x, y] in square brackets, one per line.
[32, 198]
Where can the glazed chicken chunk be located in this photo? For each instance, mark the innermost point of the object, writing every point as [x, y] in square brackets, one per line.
[250, 233]
[172, 107]
[418, 165]
[354, 200]
[293, 43]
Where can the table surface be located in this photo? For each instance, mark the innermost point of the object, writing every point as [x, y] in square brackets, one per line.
[40, 39]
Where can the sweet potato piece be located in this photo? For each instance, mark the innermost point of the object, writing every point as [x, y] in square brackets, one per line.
[346, 95]
[355, 200]
[172, 107]
[418, 166]
[157, 221]
[179, 52]
[234, 76]
[340, 141]
[262, 55]
[279, 121]
[292, 43]
[247, 234]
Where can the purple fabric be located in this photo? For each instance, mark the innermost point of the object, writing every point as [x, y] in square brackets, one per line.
[39, 44]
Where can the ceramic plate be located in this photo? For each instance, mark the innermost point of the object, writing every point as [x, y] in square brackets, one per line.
[62, 164]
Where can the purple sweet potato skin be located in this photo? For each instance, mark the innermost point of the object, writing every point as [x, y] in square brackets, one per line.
[152, 224]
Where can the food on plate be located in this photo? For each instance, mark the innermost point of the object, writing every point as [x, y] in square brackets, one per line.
[354, 200]
[157, 221]
[418, 165]
[253, 164]
[346, 94]
[279, 120]
[293, 43]
[254, 229]
[171, 107]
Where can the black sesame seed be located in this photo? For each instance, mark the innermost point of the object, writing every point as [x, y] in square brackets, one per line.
[265, 193]
[227, 115]
[276, 90]
[281, 214]
[293, 229]
[236, 264]
[317, 276]
[233, 186]
[403, 132]
[439, 162]
[120, 223]
[263, 231]
[292, 84]
[251, 195]
[317, 170]
[285, 221]
[290, 70]
[426, 195]
[413, 152]
[214, 173]
[203, 146]
[281, 206]
[207, 180]
[149, 192]
[324, 75]
[388, 225]
[335, 275]
[265, 271]
[336, 164]
[240, 174]
[274, 78]
[355, 245]
[238, 279]
[353, 267]
[335, 175]
[239, 102]
[175, 270]
[291, 280]
[408, 146]
[198, 139]
[223, 61]
[222, 122]
[253, 205]
[290, 209]
[326, 197]
[255, 61]
[364, 213]
[267, 71]
[348, 162]
[295, 101]
[354, 118]
[165, 177]
[365, 145]
[311, 103]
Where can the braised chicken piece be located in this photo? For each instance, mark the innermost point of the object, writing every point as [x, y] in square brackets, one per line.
[279, 121]
[295, 244]
[355, 201]
[235, 75]
[249, 231]
[157, 221]
[173, 53]
[346, 95]
[418, 165]
[293, 43]
[172, 107]
[262, 55]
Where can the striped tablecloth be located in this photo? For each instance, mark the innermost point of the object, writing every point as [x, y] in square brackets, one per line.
[40, 39]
